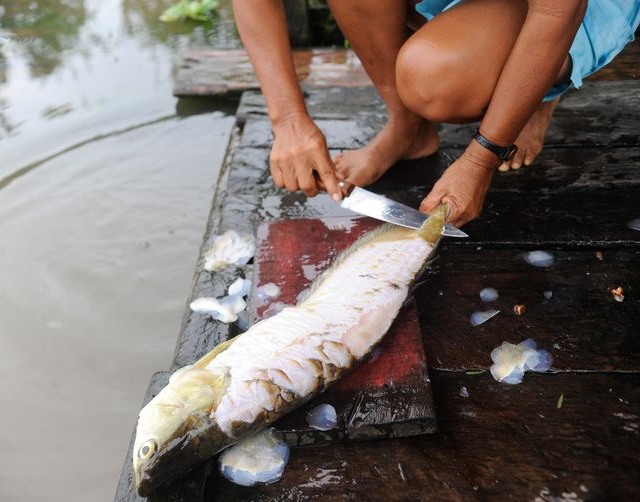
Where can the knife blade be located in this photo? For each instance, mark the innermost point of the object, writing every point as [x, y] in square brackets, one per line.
[376, 206]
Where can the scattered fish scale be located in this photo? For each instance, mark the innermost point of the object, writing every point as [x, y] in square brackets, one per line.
[260, 458]
[634, 224]
[539, 258]
[478, 318]
[323, 417]
[229, 249]
[488, 294]
[512, 361]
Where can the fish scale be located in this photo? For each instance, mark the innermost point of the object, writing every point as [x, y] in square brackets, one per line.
[283, 361]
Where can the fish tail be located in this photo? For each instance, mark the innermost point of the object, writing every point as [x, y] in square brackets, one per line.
[431, 229]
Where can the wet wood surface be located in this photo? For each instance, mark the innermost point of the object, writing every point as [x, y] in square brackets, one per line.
[502, 442]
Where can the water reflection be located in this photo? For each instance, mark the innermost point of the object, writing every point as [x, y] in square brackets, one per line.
[141, 13]
[88, 66]
[43, 30]
[105, 185]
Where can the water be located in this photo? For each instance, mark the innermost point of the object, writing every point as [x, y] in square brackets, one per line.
[104, 193]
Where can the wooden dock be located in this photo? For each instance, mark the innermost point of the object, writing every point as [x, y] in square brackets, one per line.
[570, 434]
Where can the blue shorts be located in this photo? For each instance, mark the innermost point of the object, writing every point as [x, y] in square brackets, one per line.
[608, 26]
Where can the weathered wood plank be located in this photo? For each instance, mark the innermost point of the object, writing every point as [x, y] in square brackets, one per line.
[581, 194]
[501, 443]
[506, 442]
[601, 114]
[573, 198]
[229, 72]
[340, 103]
[582, 325]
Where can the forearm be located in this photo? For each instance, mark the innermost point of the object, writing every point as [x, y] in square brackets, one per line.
[532, 67]
[263, 29]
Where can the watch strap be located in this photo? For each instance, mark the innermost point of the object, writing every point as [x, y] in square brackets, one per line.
[505, 153]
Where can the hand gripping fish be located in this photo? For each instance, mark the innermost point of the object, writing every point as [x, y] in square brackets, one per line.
[280, 363]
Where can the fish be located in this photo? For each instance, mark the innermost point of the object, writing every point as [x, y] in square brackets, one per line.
[280, 363]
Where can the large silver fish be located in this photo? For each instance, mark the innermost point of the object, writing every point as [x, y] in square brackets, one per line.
[280, 363]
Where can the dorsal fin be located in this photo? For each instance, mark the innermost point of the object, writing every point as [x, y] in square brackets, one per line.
[431, 231]
[204, 361]
[394, 232]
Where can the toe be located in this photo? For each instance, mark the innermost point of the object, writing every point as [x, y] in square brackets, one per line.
[530, 157]
[516, 162]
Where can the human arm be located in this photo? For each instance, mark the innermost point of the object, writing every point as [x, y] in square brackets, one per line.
[530, 70]
[299, 147]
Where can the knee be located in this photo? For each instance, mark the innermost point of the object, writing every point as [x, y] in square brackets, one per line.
[432, 82]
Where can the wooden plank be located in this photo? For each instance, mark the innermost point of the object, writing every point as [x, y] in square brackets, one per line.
[388, 395]
[204, 72]
[573, 198]
[581, 195]
[501, 443]
[229, 72]
[582, 325]
[339, 103]
[601, 114]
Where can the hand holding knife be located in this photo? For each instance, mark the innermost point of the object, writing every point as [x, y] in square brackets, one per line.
[367, 203]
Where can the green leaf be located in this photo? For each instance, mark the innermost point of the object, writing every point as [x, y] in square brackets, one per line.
[560, 401]
[193, 9]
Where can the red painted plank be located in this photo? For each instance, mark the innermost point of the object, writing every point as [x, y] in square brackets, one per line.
[292, 253]
[387, 395]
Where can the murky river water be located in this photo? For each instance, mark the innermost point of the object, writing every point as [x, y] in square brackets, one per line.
[104, 193]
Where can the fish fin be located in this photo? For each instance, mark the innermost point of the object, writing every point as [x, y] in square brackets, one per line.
[362, 241]
[431, 229]
[204, 361]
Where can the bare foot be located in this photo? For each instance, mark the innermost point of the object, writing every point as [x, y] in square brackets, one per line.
[397, 140]
[531, 139]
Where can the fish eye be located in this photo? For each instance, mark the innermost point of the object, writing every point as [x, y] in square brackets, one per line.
[147, 450]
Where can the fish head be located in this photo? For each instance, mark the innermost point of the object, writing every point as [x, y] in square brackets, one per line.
[175, 430]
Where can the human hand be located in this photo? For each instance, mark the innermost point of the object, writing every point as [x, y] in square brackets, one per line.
[463, 186]
[300, 159]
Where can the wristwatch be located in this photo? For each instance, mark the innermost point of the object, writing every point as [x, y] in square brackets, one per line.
[505, 153]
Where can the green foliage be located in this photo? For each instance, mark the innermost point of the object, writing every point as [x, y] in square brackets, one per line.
[193, 9]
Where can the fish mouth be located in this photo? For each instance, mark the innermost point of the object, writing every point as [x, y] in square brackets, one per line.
[148, 483]
[179, 457]
[144, 487]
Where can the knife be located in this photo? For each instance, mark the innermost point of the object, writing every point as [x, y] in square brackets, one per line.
[376, 206]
